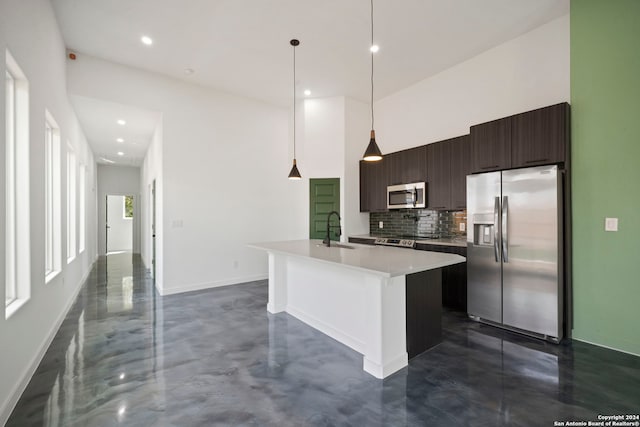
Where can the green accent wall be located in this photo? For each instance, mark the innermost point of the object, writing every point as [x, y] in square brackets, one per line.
[605, 114]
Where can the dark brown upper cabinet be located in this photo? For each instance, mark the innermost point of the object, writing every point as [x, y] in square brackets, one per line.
[460, 168]
[491, 146]
[447, 169]
[407, 166]
[373, 186]
[438, 173]
[539, 137]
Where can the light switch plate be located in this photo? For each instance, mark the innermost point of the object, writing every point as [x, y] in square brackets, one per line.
[380, 224]
[463, 226]
[611, 224]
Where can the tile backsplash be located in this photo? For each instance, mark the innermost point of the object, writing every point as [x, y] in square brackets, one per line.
[417, 222]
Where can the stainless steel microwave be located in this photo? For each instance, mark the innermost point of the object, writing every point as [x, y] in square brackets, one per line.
[405, 196]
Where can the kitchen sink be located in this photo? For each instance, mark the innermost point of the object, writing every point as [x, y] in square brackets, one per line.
[337, 245]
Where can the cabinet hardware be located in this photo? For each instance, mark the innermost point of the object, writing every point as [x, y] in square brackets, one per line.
[489, 167]
[537, 160]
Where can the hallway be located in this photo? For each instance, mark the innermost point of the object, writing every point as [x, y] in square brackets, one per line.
[126, 356]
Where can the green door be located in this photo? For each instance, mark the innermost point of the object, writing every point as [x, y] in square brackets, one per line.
[324, 197]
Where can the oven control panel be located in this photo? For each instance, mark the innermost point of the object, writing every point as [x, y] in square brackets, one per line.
[402, 243]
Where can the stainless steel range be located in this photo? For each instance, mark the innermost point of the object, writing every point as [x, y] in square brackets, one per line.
[401, 243]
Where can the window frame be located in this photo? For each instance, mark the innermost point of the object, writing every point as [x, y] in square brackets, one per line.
[82, 224]
[71, 203]
[11, 291]
[53, 250]
[17, 226]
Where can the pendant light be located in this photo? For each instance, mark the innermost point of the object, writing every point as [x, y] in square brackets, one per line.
[372, 153]
[295, 173]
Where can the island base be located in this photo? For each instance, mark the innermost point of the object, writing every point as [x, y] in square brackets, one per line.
[366, 312]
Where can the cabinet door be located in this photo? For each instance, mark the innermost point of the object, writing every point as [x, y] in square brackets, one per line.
[491, 146]
[460, 168]
[373, 186]
[407, 166]
[394, 167]
[415, 164]
[539, 137]
[438, 174]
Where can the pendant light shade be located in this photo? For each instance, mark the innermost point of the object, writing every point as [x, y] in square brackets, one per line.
[295, 173]
[372, 153]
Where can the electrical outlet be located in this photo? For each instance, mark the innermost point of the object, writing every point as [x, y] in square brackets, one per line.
[463, 226]
[380, 224]
[611, 224]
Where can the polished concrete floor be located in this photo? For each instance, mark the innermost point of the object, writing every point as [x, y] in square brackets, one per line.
[126, 356]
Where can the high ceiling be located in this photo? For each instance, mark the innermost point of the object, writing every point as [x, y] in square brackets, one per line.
[242, 46]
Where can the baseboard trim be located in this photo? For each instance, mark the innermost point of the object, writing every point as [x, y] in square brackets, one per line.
[341, 337]
[606, 346]
[208, 285]
[8, 406]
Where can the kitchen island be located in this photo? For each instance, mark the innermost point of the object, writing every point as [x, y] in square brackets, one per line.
[383, 302]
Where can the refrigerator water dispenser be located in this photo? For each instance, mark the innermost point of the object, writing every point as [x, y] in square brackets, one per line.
[483, 231]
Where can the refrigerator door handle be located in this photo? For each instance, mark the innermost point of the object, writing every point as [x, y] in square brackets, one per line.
[505, 228]
[496, 217]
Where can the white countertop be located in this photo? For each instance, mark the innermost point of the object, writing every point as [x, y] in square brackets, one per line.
[381, 260]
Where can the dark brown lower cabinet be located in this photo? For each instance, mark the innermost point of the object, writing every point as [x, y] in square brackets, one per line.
[424, 311]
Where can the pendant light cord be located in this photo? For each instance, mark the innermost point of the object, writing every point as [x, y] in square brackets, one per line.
[294, 102]
[370, 48]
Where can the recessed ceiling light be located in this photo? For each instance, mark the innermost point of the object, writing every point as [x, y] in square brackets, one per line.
[374, 48]
[120, 153]
[121, 122]
[146, 40]
[189, 71]
[307, 92]
[120, 140]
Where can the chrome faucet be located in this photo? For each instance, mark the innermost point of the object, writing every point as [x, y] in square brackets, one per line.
[327, 239]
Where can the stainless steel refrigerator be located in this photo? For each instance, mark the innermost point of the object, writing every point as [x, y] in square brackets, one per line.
[515, 246]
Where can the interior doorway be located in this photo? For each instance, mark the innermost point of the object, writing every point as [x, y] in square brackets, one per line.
[153, 229]
[119, 217]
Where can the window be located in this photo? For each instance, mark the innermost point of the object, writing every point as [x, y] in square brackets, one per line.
[127, 211]
[52, 198]
[81, 202]
[71, 205]
[10, 292]
[17, 240]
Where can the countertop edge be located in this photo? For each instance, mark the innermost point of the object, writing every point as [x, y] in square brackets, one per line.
[458, 260]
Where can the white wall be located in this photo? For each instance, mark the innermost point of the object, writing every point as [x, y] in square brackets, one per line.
[152, 171]
[120, 231]
[222, 168]
[29, 30]
[357, 132]
[525, 73]
[118, 181]
[334, 137]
